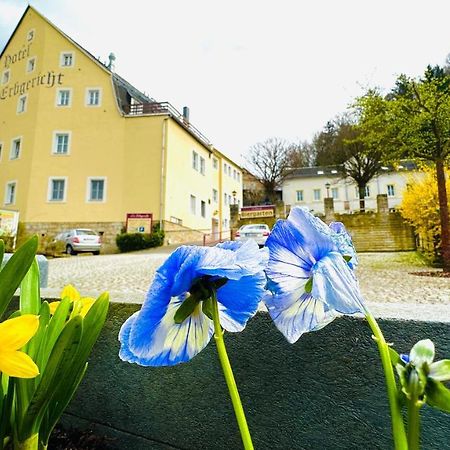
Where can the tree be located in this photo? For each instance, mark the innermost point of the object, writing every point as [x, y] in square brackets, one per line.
[301, 154]
[269, 161]
[349, 142]
[419, 126]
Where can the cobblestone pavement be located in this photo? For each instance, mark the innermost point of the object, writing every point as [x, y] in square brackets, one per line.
[384, 277]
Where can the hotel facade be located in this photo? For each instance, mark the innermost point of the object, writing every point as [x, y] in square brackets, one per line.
[80, 146]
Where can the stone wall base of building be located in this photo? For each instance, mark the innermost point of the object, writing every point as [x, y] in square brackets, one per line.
[178, 234]
[107, 230]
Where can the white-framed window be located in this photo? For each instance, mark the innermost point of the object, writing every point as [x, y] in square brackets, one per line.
[234, 174]
[202, 165]
[61, 142]
[66, 59]
[6, 76]
[299, 196]
[194, 160]
[193, 203]
[10, 192]
[225, 168]
[30, 35]
[239, 176]
[316, 195]
[215, 195]
[64, 97]
[57, 188]
[335, 193]
[225, 224]
[22, 104]
[203, 208]
[215, 163]
[16, 147]
[229, 199]
[31, 64]
[366, 192]
[96, 191]
[229, 171]
[390, 190]
[225, 199]
[93, 97]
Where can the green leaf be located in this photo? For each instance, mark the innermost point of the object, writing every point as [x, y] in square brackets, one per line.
[57, 370]
[309, 285]
[6, 409]
[207, 308]
[437, 395]
[2, 251]
[56, 323]
[185, 309]
[422, 352]
[440, 370]
[14, 271]
[395, 357]
[30, 296]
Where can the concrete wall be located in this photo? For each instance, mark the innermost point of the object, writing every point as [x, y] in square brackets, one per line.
[324, 392]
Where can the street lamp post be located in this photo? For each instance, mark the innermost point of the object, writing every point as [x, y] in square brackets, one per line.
[327, 186]
[234, 193]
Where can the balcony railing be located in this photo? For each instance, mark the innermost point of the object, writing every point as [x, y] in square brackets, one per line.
[140, 109]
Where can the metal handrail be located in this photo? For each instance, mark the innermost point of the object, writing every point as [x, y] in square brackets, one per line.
[139, 109]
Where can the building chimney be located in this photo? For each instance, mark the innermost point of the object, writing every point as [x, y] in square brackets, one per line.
[185, 114]
[111, 64]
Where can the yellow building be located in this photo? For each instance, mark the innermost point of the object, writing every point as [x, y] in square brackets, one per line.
[80, 146]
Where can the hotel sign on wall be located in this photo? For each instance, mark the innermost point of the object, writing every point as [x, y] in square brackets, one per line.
[254, 212]
[139, 223]
[47, 79]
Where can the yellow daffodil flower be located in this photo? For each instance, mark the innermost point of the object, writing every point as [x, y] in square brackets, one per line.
[81, 305]
[14, 334]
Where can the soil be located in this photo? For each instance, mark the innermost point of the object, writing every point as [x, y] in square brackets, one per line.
[436, 273]
[73, 439]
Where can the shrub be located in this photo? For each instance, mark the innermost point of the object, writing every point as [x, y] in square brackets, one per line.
[128, 242]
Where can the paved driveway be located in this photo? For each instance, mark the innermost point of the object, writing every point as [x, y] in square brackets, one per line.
[385, 280]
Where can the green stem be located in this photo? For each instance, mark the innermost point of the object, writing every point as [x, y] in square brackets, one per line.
[398, 427]
[413, 425]
[31, 443]
[229, 378]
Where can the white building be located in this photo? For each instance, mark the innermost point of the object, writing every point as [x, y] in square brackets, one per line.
[308, 186]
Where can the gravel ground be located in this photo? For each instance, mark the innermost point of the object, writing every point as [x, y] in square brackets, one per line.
[386, 281]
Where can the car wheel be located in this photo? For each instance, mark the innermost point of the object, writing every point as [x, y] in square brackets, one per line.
[70, 250]
[97, 252]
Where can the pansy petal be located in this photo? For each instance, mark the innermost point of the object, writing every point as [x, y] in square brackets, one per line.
[238, 301]
[17, 364]
[16, 332]
[315, 235]
[247, 259]
[335, 284]
[300, 317]
[167, 343]
[344, 243]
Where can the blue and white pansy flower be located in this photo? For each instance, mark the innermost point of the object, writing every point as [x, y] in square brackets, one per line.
[174, 323]
[310, 274]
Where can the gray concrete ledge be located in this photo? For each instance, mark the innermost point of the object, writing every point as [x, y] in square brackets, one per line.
[324, 392]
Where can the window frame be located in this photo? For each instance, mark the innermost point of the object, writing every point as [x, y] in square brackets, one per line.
[62, 56]
[50, 189]
[393, 190]
[203, 209]
[193, 204]
[58, 92]
[333, 191]
[27, 68]
[202, 165]
[195, 160]
[54, 147]
[25, 104]
[89, 198]
[87, 97]
[318, 190]
[215, 163]
[7, 191]
[215, 195]
[302, 199]
[13, 140]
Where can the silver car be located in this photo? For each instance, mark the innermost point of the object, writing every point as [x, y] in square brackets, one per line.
[80, 240]
[257, 231]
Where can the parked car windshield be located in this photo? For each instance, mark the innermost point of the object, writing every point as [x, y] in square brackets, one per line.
[89, 232]
[254, 227]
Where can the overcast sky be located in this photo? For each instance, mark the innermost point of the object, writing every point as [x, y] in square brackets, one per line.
[251, 69]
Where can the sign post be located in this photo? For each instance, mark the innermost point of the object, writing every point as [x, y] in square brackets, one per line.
[139, 223]
[254, 212]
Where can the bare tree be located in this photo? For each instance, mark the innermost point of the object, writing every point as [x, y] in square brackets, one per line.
[269, 161]
[301, 154]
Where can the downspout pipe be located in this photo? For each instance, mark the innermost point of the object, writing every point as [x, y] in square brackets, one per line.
[163, 173]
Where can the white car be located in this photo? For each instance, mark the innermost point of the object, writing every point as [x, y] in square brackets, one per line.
[80, 240]
[257, 231]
